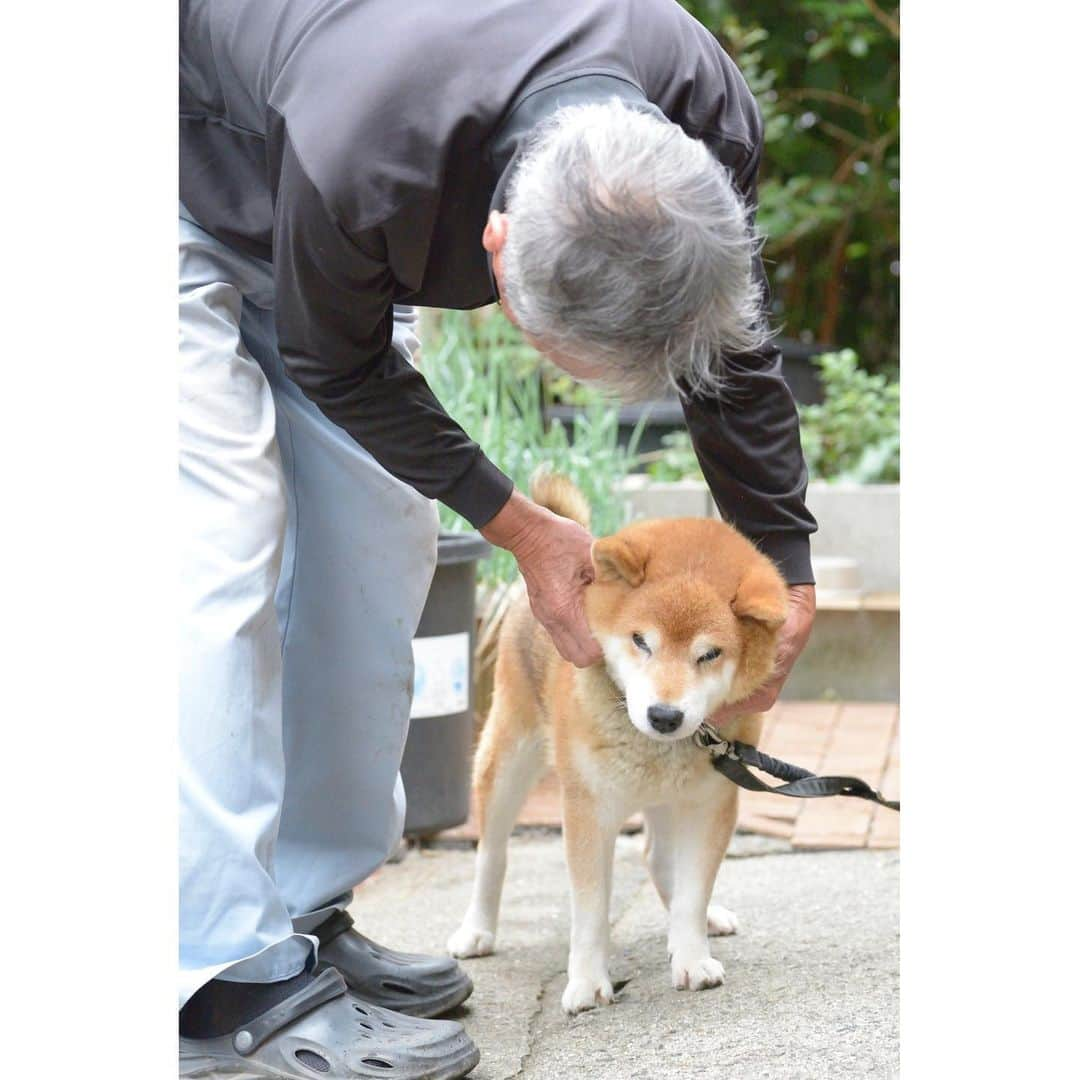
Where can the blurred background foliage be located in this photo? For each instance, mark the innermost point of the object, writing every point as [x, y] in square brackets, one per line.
[853, 435]
[826, 74]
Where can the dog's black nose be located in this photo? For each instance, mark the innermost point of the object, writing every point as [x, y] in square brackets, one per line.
[664, 718]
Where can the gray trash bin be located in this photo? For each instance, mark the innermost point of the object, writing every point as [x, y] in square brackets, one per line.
[437, 762]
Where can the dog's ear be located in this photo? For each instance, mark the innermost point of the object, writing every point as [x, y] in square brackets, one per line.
[762, 595]
[616, 559]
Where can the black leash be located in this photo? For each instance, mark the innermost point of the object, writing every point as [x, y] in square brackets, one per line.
[731, 758]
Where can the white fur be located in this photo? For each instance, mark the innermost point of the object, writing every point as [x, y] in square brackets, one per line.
[518, 771]
[588, 983]
[692, 965]
[630, 674]
[722, 922]
[704, 695]
[630, 670]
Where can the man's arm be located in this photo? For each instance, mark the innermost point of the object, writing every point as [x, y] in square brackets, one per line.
[334, 312]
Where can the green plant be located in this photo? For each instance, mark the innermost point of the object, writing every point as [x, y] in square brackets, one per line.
[854, 434]
[563, 389]
[676, 461]
[826, 76]
[488, 379]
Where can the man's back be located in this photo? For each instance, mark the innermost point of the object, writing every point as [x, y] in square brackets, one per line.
[392, 108]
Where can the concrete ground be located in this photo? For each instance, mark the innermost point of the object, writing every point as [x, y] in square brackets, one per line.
[812, 976]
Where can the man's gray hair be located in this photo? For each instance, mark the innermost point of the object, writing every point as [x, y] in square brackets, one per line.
[630, 250]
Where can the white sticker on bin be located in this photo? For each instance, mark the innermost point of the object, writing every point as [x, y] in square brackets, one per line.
[440, 675]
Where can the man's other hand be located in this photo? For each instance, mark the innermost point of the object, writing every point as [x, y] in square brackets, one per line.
[802, 605]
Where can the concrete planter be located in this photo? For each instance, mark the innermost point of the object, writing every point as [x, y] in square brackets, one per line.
[646, 498]
[854, 651]
[856, 522]
[860, 522]
[853, 654]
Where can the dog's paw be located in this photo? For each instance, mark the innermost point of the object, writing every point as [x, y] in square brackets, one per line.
[586, 993]
[469, 941]
[721, 921]
[696, 972]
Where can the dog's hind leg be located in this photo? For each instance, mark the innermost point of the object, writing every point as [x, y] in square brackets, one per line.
[700, 838]
[508, 763]
[660, 859]
[659, 851]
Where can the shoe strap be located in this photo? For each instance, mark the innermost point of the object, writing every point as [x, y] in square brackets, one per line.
[332, 927]
[323, 988]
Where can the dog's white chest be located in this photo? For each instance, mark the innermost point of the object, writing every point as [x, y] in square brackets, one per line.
[623, 763]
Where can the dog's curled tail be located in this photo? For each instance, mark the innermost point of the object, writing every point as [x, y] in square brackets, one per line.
[559, 495]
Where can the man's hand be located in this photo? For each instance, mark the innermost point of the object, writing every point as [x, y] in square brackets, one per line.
[554, 557]
[802, 604]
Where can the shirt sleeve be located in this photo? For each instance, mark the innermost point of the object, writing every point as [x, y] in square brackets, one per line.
[334, 316]
[746, 438]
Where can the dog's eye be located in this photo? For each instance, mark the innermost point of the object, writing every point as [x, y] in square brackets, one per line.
[641, 643]
[712, 654]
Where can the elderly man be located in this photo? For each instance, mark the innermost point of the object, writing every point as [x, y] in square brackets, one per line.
[591, 163]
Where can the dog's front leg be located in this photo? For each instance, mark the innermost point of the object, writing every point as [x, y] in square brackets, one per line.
[700, 838]
[589, 835]
[507, 766]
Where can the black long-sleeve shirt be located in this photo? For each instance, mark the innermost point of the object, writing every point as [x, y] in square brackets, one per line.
[359, 144]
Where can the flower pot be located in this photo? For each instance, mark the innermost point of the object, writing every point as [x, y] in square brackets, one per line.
[437, 762]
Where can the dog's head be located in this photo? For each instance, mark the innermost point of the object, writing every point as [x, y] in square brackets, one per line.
[687, 612]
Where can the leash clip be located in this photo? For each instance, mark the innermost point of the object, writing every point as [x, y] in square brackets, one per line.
[708, 738]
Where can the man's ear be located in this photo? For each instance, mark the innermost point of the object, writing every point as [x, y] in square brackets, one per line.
[494, 235]
[616, 559]
[762, 595]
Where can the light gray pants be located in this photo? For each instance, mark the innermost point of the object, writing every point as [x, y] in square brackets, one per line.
[304, 571]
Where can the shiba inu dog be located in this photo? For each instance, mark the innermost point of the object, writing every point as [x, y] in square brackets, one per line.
[687, 612]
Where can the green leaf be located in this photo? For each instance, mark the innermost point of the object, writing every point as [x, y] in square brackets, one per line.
[854, 434]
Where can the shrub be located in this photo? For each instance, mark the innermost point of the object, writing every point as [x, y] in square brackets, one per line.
[826, 74]
[854, 434]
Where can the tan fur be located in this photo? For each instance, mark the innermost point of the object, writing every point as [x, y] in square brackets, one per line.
[684, 588]
[560, 496]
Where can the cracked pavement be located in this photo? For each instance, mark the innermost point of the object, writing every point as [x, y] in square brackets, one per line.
[812, 984]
